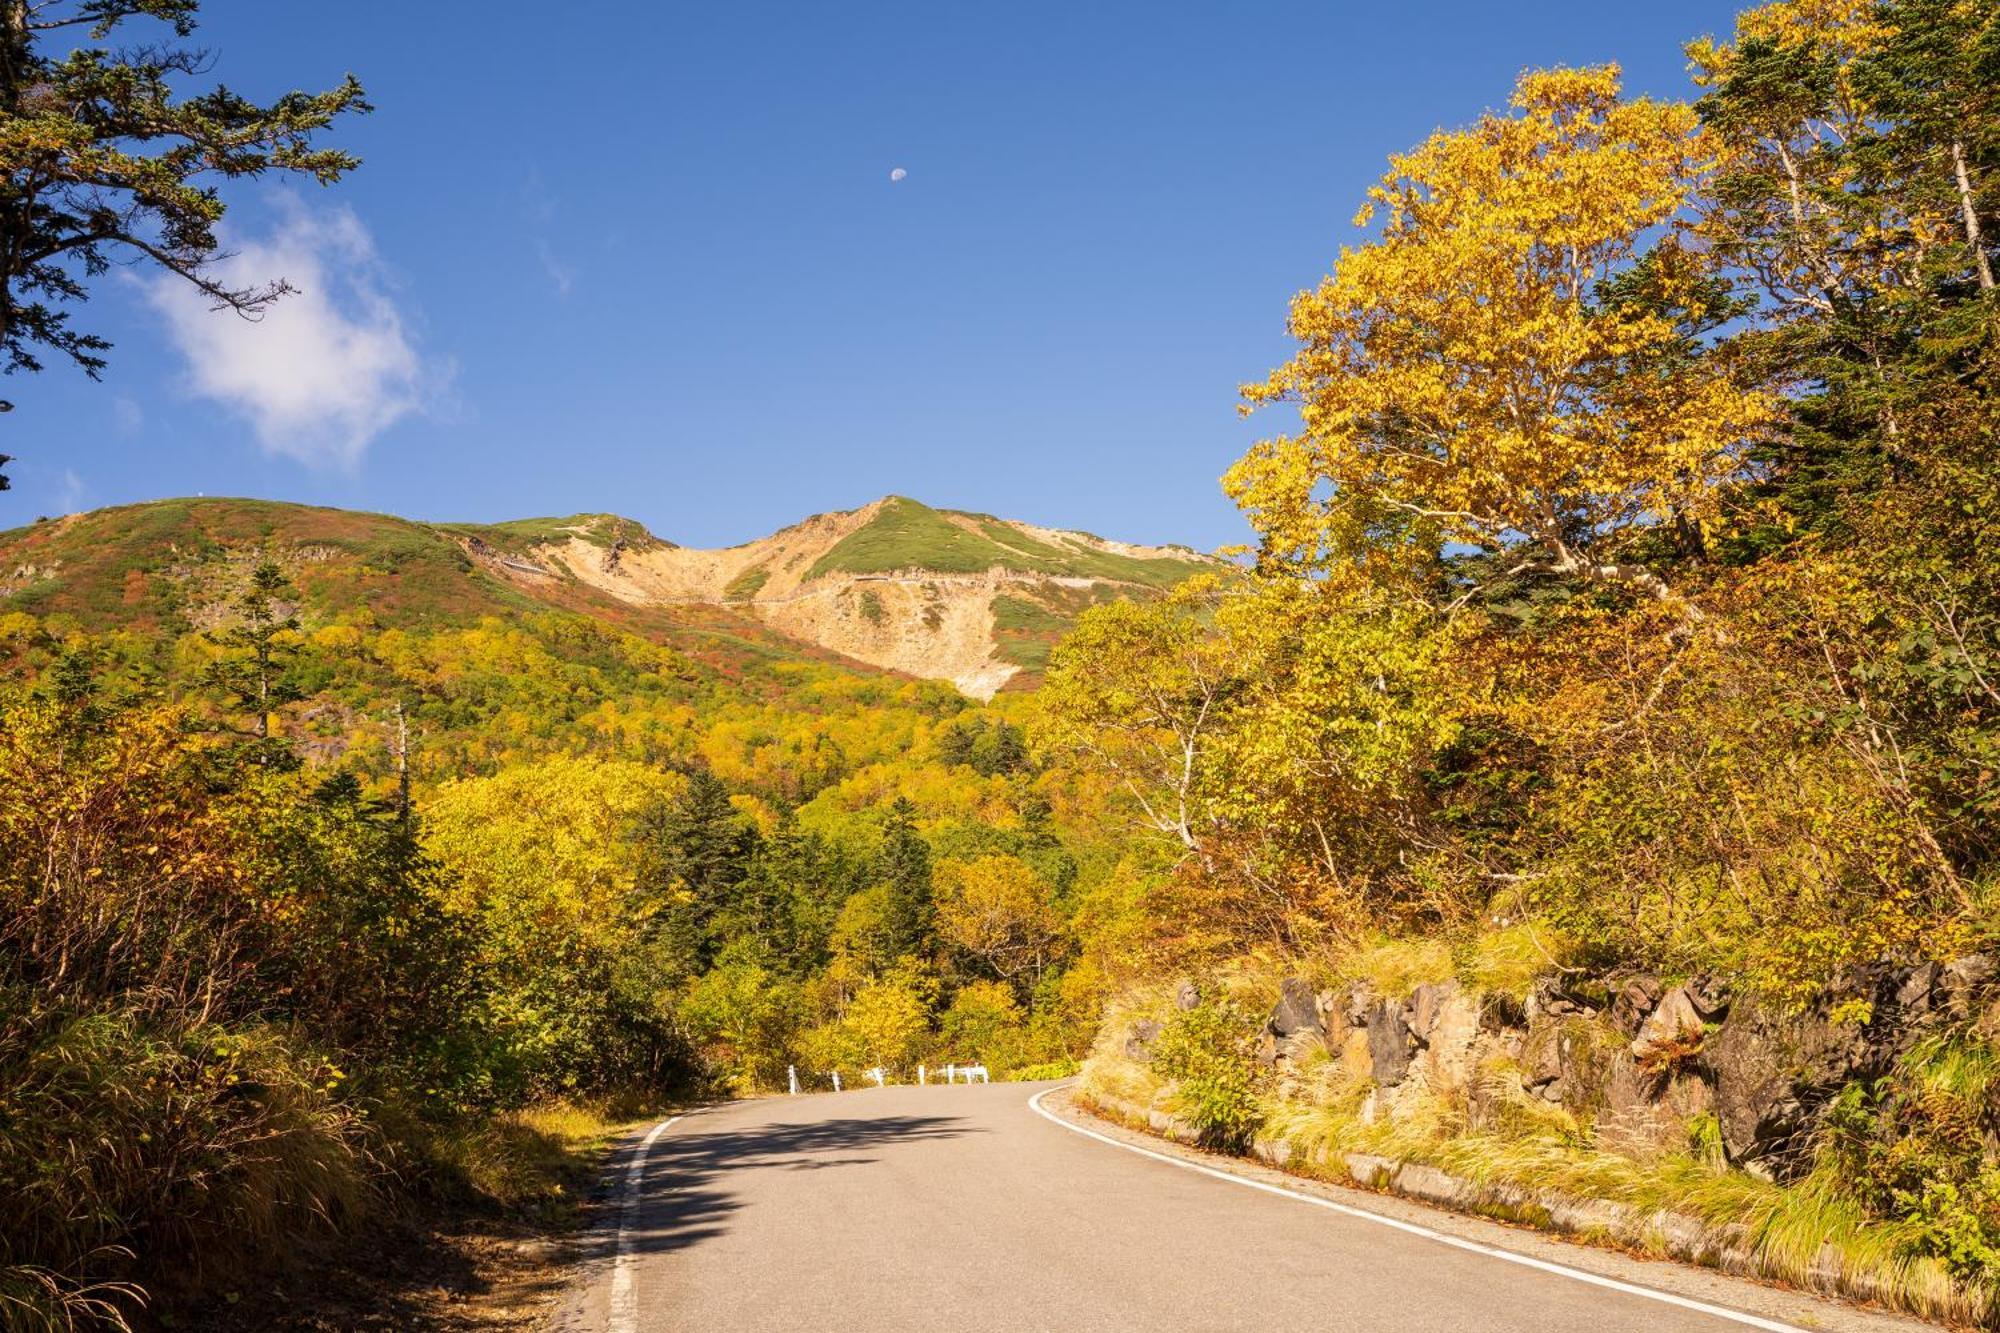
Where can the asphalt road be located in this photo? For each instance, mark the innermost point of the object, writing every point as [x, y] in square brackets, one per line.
[962, 1208]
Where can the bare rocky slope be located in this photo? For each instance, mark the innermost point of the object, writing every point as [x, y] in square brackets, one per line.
[964, 597]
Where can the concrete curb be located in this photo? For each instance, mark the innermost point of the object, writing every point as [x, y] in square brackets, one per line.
[1690, 1240]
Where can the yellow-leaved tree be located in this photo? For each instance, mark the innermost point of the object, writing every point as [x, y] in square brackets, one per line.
[997, 909]
[1140, 691]
[545, 859]
[1513, 363]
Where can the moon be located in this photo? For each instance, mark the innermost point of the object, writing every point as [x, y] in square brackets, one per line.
[898, 174]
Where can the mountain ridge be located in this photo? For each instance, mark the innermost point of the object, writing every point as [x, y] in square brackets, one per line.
[893, 585]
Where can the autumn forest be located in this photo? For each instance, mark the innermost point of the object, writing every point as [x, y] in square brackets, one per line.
[1618, 623]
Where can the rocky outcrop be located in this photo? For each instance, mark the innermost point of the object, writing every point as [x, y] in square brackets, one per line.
[1638, 1058]
[1672, 1030]
[1297, 1012]
[1139, 1041]
[1389, 1042]
[1774, 1069]
[1634, 1064]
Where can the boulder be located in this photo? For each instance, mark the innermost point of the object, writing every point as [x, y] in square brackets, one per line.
[1355, 1003]
[1673, 1030]
[1633, 1000]
[1569, 1060]
[1389, 1042]
[1541, 1061]
[1297, 1011]
[1919, 991]
[1710, 996]
[1963, 981]
[1630, 1087]
[1589, 1050]
[1139, 1041]
[1426, 1004]
[1774, 1070]
[1444, 1021]
[1487, 1099]
[1566, 997]
[1187, 996]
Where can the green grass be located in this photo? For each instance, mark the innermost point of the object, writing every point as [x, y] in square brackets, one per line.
[1020, 616]
[524, 534]
[1045, 558]
[909, 535]
[871, 607]
[746, 585]
[1026, 630]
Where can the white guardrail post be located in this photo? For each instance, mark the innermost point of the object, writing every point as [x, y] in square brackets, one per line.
[836, 1080]
[792, 1077]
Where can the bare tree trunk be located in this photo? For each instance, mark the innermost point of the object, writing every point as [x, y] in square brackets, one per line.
[402, 764]
[1967, 207]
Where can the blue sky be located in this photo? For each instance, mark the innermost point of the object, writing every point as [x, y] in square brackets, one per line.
[648, 258]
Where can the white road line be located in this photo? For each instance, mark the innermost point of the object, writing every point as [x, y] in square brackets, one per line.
[624, 1303]
[1457, 1242]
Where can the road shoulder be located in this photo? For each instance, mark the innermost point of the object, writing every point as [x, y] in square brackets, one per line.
[1778, 1304]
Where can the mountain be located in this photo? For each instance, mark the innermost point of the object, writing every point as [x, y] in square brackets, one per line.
[897, 585]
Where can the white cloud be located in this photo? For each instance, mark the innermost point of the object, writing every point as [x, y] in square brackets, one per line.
[562, 275]
[70, 494]
[327, 368]
[540, 206]
[128, 416]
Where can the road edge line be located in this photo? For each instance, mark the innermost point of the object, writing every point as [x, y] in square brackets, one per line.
[1416, 1229]
[624, 1313]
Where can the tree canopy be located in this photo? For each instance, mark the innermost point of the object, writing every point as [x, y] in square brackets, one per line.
[103, 158]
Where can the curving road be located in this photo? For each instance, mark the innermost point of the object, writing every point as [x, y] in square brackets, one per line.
[966, 1208]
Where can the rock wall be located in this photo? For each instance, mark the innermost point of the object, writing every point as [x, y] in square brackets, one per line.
[1634, 1056]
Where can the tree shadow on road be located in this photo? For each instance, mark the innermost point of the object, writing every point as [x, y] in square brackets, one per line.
[689, 1181]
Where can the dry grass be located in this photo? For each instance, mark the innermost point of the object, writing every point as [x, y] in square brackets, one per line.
[215, 1147]
[531, 1160]
[1394, 968]
[1813, 1233]
[1797, 1234]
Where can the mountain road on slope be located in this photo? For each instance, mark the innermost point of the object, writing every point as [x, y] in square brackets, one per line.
[999, 1207]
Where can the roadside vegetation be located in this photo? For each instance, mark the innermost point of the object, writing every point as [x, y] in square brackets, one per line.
[313, 905]
[1624, 616]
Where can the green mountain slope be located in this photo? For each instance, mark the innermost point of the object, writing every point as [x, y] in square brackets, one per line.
[906, 534]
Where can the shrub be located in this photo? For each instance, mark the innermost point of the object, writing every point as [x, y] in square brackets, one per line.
[1208, 1052]
[217, 1145]
[1048, 1069]
[1916, 1148]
